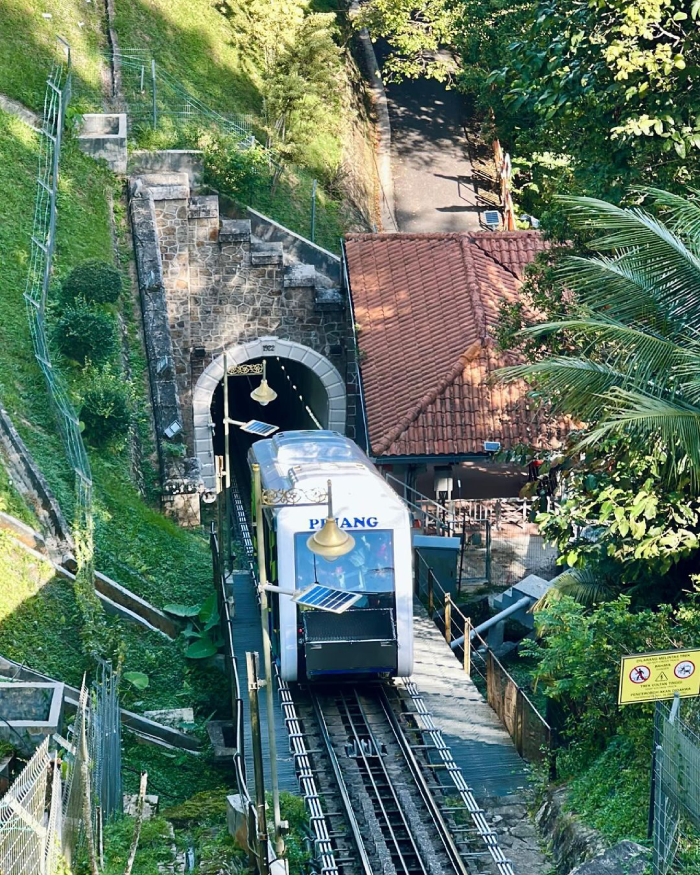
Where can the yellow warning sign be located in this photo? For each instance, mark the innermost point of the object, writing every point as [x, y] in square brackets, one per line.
[646, 677]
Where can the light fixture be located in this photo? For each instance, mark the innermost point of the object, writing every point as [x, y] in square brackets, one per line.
[330, 542]
[174, 428]
[264, 393]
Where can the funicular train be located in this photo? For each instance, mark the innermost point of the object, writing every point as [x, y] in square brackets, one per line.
[374, 637]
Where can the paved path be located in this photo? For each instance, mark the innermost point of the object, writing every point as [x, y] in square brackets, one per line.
[433, 176]
[7, 104]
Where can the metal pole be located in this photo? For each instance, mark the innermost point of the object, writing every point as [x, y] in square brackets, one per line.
[430, 592]
[267, 652]
[253, 687]
[448, 617]
[153, 82]
[652, 793]
[226, 536]
[143, 70]
[313, 211]
[468, 646]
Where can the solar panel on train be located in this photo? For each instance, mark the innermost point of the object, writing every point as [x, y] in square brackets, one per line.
[325, 598]
[255, 426]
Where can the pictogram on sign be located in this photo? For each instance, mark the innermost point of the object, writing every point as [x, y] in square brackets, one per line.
[646, 677]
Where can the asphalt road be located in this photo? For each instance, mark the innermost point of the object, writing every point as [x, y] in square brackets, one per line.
[433, 185]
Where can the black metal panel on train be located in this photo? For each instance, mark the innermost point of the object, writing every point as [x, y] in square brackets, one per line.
[360, 641]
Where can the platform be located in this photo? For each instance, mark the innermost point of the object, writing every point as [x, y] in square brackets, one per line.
[247, 637]
[480, 745]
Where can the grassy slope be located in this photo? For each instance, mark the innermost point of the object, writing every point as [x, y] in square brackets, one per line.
[28, 44]
[193, 41]
[39, 619]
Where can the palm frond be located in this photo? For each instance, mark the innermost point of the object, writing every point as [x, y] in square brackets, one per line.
[604, 283]
[575, 386]
[683, 213]
[586, 585]
[645, 419]
[643, 357]
[644, 243]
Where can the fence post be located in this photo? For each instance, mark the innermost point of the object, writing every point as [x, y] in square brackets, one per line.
[313, 212]
[468, 646]
[487, 569]
[448, 617]
[261, 833]
[153, 82]
[431, 607]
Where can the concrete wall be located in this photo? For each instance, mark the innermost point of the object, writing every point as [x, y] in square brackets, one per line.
[187, 161]
[295, 246]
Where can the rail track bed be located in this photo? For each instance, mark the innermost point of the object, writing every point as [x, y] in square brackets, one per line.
[392, 806]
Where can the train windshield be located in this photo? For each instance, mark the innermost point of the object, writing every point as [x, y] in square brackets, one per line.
[368, 567]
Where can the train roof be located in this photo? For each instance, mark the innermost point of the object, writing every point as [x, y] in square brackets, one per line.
[296, 459]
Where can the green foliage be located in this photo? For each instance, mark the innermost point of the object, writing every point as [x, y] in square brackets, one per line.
[293, 810]
[578, 662]
[230, 169]
[84, 334]
[137, 679]
[105, 410]
[416, 32]
[95, 281]
[209, 806]
[613, 794]
[154, 849]
[202, 630]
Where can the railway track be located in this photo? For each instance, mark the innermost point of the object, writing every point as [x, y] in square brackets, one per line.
[393, 815]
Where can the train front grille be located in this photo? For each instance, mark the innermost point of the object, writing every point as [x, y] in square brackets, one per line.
[362, 641]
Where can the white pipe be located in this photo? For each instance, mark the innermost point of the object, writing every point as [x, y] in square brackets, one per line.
[524, 602]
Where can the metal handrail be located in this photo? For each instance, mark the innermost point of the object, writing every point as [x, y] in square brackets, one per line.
[419, 497]
[434, 585]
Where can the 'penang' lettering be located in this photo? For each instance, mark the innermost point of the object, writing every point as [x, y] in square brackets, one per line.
[358, 522]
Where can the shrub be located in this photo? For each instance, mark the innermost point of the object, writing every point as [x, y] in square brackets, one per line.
[230, 169]
[82, 333]
[106, 411]
[94, 281]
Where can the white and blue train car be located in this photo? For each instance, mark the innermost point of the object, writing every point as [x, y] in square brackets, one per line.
[374, 638]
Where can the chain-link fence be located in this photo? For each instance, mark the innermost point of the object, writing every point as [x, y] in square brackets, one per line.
[674, 819]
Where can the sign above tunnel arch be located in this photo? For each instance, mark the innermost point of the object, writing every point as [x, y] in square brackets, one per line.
[648, 677]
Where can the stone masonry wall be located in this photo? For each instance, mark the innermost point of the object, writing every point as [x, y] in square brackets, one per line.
[224, 287]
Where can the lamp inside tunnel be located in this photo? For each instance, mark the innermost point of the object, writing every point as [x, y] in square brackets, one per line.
[264, 394]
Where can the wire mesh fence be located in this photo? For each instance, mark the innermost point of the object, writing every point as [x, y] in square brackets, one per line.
[27, 846]
[57, 804]
[674, 819]
[43, 242]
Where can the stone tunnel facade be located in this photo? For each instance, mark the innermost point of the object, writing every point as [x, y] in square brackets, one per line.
[222, 289]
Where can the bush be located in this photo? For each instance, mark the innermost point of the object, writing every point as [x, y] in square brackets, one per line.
[106, 411]
[95, 281]
[82, 333]
[230, 169]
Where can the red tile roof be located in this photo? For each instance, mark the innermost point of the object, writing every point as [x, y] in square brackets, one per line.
[426, 306]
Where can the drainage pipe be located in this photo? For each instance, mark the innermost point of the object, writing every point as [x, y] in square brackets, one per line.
[522, 603]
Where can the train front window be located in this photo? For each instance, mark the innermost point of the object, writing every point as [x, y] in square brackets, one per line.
[367, 568]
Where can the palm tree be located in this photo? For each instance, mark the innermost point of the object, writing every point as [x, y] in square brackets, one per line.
[638, 372]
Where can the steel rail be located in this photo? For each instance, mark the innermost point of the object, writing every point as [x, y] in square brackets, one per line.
[421, 783]
[485, 833]
[342, 786]
[379, 760]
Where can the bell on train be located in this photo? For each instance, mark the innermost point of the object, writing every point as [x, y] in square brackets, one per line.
[330, 542]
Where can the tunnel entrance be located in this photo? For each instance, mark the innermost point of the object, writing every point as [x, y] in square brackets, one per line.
[290, 364]
[301, 403]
